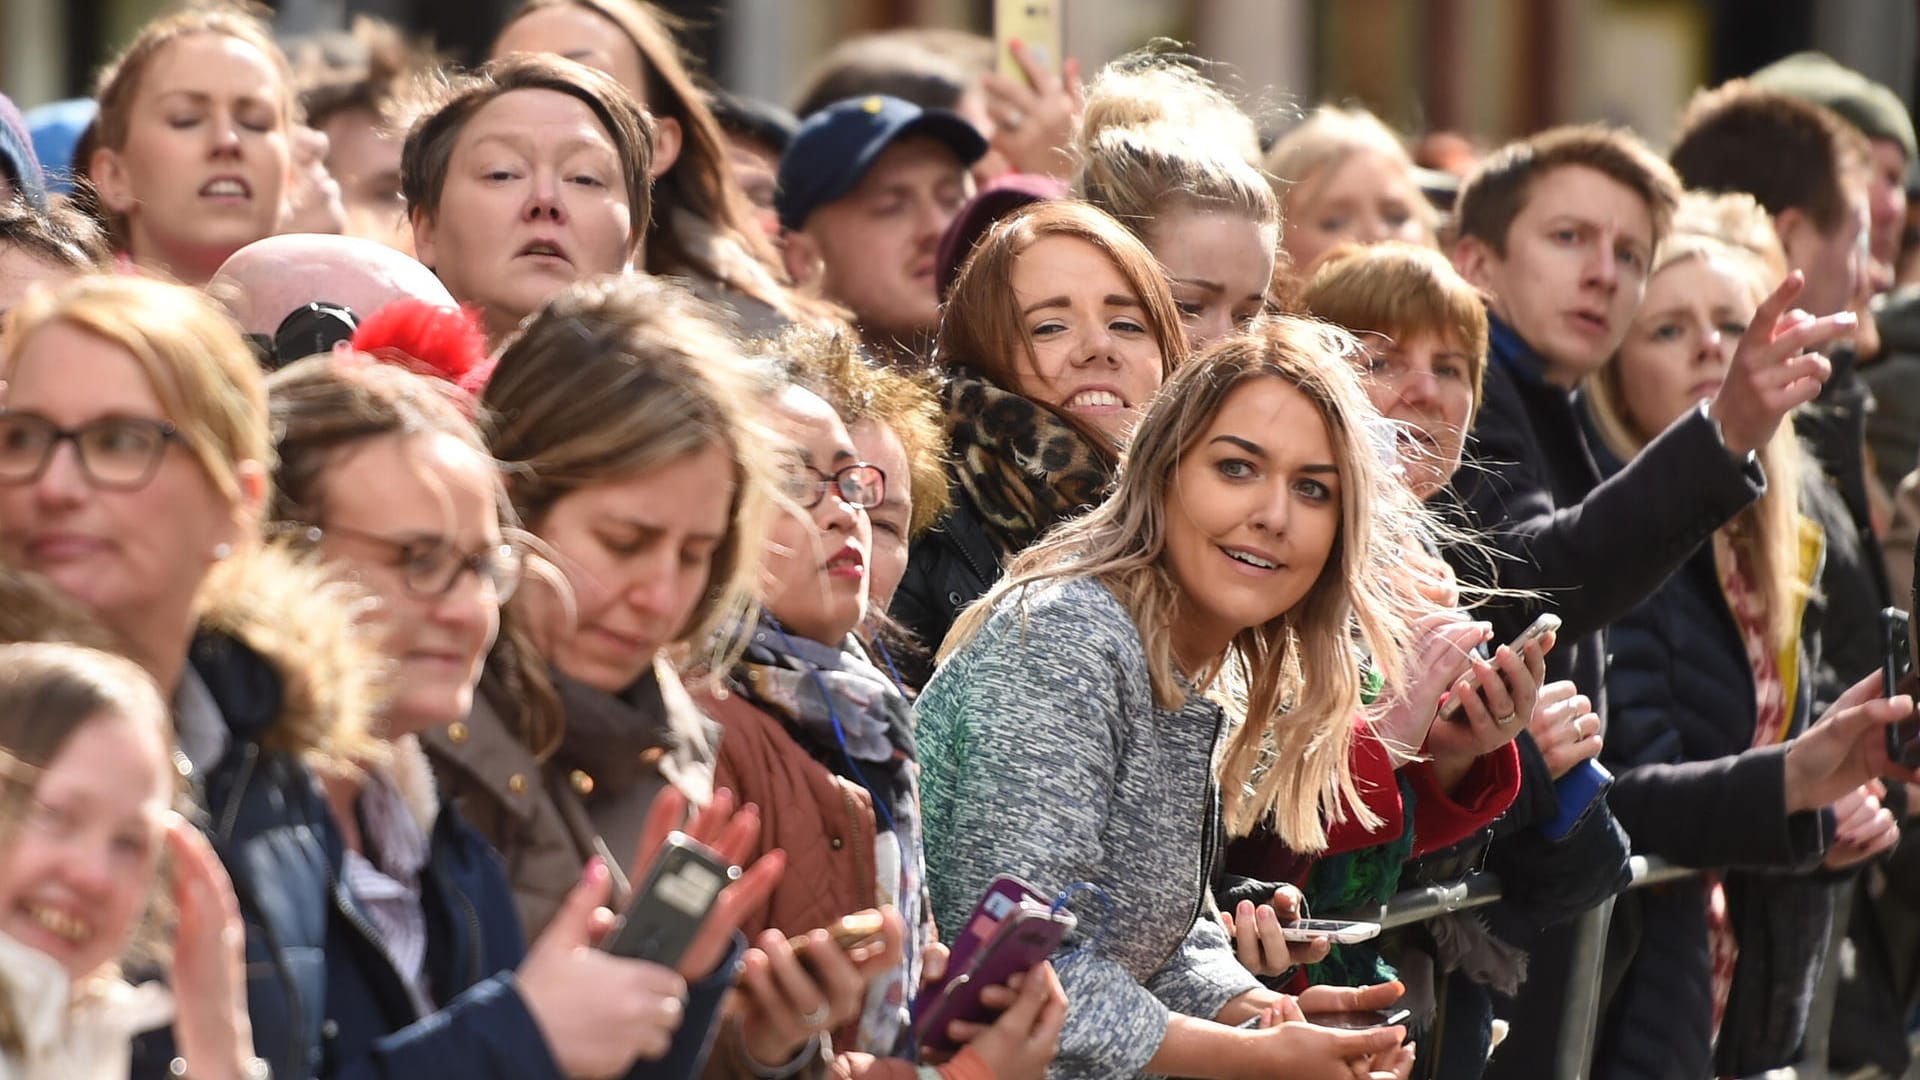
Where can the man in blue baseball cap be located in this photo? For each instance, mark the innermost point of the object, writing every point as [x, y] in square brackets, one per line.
[866, 189]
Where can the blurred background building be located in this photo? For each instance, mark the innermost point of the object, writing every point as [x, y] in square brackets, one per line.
[1492, 68]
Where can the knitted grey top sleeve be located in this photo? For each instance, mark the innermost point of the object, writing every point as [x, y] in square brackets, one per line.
[1043, 755]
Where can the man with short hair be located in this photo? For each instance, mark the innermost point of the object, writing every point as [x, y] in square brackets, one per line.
[1560, 231]
[866, 190]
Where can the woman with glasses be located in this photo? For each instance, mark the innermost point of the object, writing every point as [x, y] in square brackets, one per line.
[1058, 331]
[133, 443]
[821, 739]
[382, 474]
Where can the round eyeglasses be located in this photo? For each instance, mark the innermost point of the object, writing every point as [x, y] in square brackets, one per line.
[859, 485]
[431, 567]
[117, 453]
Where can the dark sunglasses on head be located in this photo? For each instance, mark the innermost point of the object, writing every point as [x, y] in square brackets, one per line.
[307, 330]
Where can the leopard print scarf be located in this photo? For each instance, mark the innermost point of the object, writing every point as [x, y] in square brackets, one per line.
[1023, 467]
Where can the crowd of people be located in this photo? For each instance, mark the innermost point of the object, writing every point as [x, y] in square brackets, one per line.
[428, 495]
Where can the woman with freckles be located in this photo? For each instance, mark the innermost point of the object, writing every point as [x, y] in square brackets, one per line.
[1058, 332]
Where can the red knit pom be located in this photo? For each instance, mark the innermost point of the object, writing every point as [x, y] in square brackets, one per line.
[443, 342]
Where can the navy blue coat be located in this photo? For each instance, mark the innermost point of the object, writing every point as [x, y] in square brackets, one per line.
[271, 827]
[1690, 788]
[482, 1027]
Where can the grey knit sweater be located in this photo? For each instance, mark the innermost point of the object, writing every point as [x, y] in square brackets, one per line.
[1043, 755]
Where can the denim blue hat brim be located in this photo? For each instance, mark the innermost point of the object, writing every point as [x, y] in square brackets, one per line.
[814, 172]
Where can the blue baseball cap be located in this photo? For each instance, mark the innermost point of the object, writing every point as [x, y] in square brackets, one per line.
[835, 147]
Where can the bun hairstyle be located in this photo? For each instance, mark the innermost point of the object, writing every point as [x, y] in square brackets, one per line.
[1158, 136]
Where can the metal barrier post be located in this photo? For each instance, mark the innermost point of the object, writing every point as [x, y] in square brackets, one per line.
[1580, 1009]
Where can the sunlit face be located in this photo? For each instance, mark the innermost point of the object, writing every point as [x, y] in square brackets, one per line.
[577, 33]
[1093, 353]
[1219, 265]
[1367, 197]
[206, 163]
[534, 200]
[390, 504]
[873, 249]
[124, 555]
[1574, 268]
[817, 561]
[638, 554]
[1253, 514]
[76, 869]
[1682, 340]
[878, 445]
[1424, 383]
[365, 159]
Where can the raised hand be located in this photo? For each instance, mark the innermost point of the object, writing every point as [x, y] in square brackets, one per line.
[209, 958]
[1776, 368]
[1444, 653]
[730, 833]
[1846, 748]
[1035, 117]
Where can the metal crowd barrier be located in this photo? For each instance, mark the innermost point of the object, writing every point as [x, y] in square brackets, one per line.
[1581, 1002]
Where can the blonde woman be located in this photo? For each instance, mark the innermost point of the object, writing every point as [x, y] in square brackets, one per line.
[1241, 550]
[193, 161]
[1170, 157]
[133, 476]
[1711, 688]
[1344, 177]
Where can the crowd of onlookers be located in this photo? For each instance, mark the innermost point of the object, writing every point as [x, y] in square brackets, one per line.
[432, 498]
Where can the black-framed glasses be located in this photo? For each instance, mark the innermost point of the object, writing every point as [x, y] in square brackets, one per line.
[430, 567]
[117, 453]
[859, 484]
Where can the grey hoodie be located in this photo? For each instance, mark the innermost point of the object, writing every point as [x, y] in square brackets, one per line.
[1044, 755]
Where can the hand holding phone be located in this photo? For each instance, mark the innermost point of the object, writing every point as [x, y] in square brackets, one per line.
[1021, 939]
[1896, 664]
[794, 988]
[1505, 694]
[670, 906]
[1034, 95]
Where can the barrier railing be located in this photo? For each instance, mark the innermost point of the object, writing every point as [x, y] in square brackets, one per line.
[1581, 1005]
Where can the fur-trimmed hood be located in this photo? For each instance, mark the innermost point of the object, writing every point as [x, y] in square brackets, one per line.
[304, 626]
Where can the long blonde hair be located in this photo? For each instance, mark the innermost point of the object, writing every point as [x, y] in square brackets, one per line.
[1767, 532]
[1293, 684]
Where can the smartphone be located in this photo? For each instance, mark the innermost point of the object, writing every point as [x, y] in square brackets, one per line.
[667, 910]
[1362, 1020]
[1341, 933]
[1028, 935]
[1004, 895]
[1896, 660]
[1546, 624]
[846, 934]
[1037, 24]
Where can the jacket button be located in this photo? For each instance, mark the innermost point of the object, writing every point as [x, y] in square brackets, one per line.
[456, 733]
[517, 783]
[582, 783]
[330, 1029]
[836, 843]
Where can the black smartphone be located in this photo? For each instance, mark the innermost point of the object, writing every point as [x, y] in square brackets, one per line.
[667, 910]
[1896, 660]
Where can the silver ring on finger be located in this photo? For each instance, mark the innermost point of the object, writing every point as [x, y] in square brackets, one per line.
[1013, 120]
[815, 1019]
[1508, 720]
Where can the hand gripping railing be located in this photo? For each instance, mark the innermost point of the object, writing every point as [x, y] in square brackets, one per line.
[1581, 1000]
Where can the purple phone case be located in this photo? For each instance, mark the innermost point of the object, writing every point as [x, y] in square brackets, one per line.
[1002, 897]
[1022, 940]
